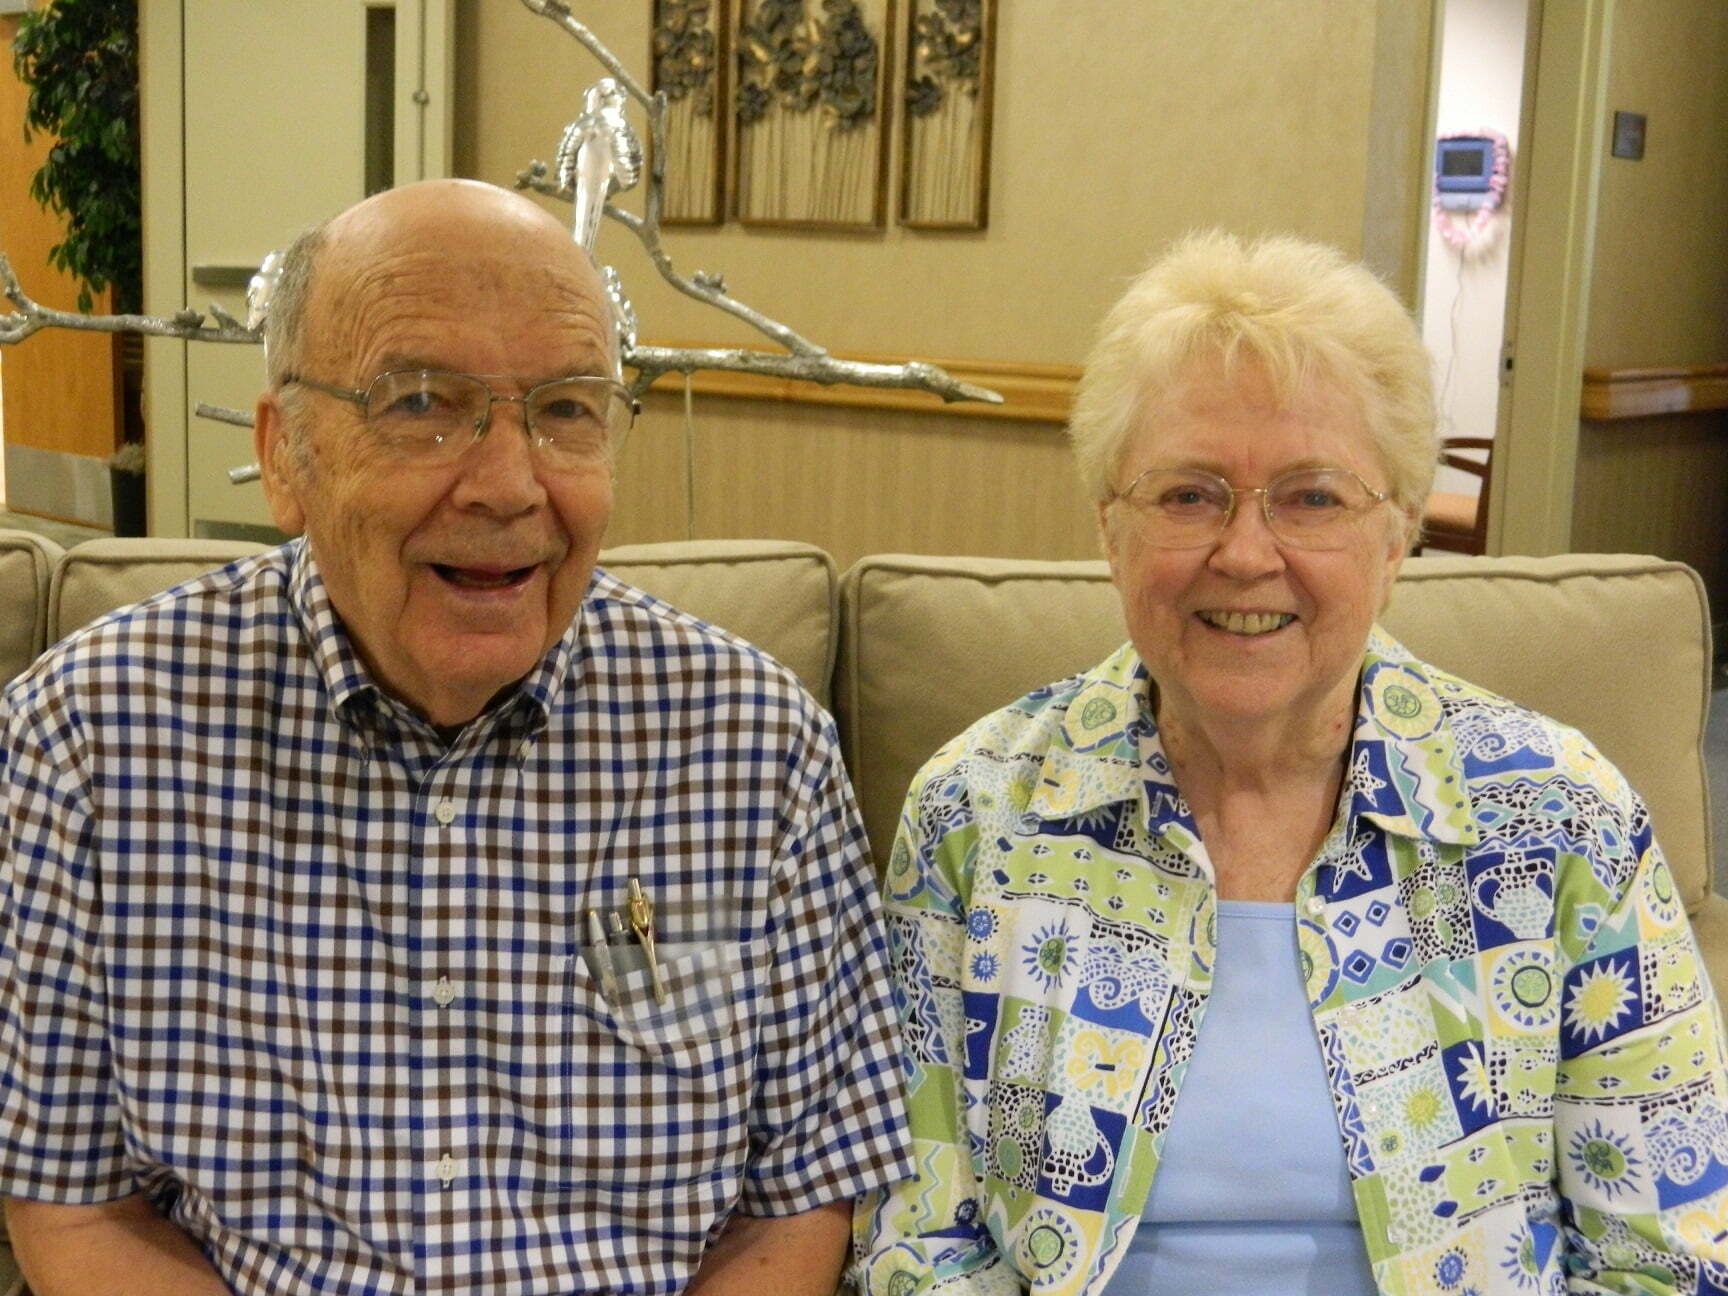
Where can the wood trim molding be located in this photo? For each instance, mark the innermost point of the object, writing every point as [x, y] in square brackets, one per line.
[1638, 393]
[1032, 393]
[1035, 393]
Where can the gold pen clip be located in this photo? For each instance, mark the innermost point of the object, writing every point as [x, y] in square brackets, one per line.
[642, 923]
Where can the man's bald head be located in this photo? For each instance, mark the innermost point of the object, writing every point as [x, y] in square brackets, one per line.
[433, 214]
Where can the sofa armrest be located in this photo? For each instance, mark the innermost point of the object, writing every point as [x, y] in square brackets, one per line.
[26, 560]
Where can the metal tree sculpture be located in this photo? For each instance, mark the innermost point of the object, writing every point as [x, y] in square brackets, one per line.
[598, 156]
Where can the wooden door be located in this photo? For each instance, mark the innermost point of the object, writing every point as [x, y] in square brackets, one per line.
[58, 416]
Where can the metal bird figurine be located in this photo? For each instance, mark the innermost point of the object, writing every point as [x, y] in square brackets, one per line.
[260, 288]
[599, 155]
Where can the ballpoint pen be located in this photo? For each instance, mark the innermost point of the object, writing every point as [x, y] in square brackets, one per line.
[642, 923]
[602, 956]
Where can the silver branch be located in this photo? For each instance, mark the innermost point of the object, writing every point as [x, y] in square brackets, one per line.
[189, 324]
[807, 361]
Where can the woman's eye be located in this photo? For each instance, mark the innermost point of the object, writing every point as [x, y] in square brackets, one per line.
[1186, 497]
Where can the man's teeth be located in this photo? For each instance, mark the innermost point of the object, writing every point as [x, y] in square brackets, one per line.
[1248, 623]
[477, 578]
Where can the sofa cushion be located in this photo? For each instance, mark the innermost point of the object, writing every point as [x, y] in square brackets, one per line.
[780, 595]
[930, 644]
[25, 563]
[1614, 644]
[94, 578]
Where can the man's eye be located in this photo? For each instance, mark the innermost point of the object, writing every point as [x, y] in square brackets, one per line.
[417, 404]
[565, 410]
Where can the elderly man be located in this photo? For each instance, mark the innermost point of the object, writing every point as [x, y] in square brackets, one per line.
[413, 908]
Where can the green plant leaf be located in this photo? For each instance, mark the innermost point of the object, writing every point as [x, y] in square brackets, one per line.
[79, 60]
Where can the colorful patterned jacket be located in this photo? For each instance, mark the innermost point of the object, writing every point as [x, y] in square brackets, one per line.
[1526, 1059]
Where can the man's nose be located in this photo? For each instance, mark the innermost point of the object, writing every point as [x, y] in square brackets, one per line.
[500, 471]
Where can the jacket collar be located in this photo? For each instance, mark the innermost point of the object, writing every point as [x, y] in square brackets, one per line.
[1405, 772]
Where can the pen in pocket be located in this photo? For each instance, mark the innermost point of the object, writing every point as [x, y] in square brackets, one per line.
[602, 956]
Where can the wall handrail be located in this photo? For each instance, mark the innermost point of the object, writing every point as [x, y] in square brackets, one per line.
[1032, 393]
[1611, 394]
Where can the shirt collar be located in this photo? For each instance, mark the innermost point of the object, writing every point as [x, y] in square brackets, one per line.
[350, 683]
[1405, 772]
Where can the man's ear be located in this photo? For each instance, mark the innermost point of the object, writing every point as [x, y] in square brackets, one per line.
[282, 475]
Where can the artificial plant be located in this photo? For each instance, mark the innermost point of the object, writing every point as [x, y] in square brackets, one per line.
[79, 60]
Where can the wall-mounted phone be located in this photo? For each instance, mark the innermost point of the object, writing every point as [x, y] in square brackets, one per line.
[1472, 172]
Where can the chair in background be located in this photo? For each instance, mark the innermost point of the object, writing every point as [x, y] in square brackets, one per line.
[1454, 522]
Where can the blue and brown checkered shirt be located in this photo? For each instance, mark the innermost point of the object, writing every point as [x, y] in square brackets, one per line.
[276, 955]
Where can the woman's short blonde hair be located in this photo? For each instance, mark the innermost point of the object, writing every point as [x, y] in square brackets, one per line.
[1300, 312]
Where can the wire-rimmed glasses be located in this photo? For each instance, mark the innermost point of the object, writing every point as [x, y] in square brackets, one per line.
[1308, 508]
[432, 416]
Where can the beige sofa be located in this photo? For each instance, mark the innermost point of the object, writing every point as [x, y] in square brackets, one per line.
[908, 650]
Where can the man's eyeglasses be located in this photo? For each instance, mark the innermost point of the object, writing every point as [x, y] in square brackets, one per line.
[1311, 508]
[432, 416]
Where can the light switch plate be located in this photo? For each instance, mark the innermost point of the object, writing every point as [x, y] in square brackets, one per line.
[1629, 135]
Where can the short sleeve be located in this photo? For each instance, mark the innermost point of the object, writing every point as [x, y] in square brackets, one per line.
[827, 1120]
[1641, 1111]
[60, 1137]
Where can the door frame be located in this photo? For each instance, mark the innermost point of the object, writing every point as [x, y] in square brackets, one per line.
[1562, 135]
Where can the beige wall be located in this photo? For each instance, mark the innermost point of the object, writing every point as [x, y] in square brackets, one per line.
[1659, 292]
[1660, 486]
[1659, 288]
[1113, 134]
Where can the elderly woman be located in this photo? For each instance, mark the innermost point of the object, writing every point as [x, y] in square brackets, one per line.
[1264, 957]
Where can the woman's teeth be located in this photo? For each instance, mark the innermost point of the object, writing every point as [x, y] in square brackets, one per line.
[1248, 623]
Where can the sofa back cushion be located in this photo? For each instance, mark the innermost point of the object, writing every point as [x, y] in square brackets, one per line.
[1616, 645]
[25, 563]
[780, 595]
[94, 578]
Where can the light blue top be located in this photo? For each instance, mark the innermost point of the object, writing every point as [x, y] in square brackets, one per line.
[1252, 1196]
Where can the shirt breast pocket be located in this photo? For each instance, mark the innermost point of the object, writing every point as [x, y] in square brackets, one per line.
[704, 985]
[659, 1091]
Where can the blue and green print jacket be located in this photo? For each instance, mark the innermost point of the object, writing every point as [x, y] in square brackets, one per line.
[1525, 1057]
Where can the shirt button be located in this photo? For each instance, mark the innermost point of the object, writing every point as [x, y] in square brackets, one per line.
[446, 1169]
[1315, 905]
[443, 994]
[444, 812]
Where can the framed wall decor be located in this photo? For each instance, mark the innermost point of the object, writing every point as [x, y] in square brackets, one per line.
[811, 113]
[945, 131]
[690, 65]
